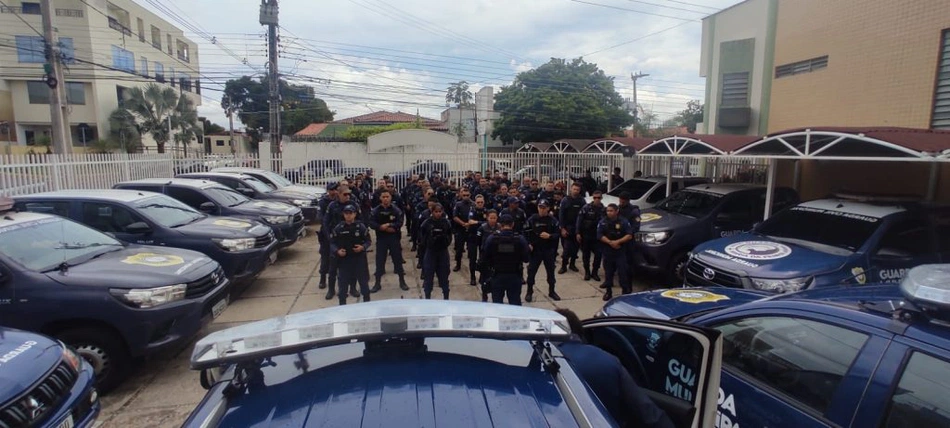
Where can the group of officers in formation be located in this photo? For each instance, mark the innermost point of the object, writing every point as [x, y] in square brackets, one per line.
[500, 225]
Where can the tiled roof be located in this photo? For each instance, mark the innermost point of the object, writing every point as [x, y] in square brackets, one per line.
[386, 117]
[312, 129]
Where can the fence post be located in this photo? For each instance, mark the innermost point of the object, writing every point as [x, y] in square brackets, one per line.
[126, 160]
[57, 180]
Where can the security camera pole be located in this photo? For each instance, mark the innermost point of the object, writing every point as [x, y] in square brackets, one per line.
[59, 115]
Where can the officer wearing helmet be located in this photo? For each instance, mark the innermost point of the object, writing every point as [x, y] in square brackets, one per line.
[505, 252]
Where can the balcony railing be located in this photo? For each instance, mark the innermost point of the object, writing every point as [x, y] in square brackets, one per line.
[116, 25]
[70, 13]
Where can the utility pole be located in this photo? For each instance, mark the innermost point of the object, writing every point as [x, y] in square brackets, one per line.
[636, 108]
[59, 115]
[269, 18]
[231, 129]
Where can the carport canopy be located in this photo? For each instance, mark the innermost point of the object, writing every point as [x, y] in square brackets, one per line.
[702, 145]
[865, 144]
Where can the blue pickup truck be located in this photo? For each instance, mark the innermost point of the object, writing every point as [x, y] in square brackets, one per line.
[846, 356]
[44, 383]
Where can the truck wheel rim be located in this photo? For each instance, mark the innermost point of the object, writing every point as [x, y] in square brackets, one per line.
[96, 357]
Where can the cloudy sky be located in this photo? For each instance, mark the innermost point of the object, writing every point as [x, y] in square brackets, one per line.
[368, 55]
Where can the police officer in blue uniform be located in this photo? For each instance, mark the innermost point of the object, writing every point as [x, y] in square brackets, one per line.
[460, 225]
[543, 231]
[334, 217]
[349, 242]
[476, 217]
[571, 207]
[530, 197]
[614, 233]
[386, 219]
[436, 233]
[504, 253]
[323, 236]
[488, 228]
[424, 215]
[631, 213]
[517, 214]
[587, 221]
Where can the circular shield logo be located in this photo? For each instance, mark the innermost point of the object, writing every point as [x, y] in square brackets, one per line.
[758, 250]
[645, 217]
[232, 223]
[693, 296]
[154, 260]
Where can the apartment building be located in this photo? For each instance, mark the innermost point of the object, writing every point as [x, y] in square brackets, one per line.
[781, 64]
[108, 47]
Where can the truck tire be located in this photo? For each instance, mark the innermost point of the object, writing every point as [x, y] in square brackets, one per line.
[103, 350]
[676, 274]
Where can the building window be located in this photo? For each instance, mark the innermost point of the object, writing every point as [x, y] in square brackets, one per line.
[735, 89]
[156, 38]
[121, 93]
[30, 49]
[169, 44]
[806, 66]
[30, 8]
[140, 26]
[159, 72]
[144, 64]
[123, 59]
[76, 93]
[171, 76]
[185, 82]
[182, 50]
[941, 112]
[219, 143]
[38, 92]
[66, 50]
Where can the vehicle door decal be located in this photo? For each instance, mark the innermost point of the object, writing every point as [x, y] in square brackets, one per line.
[726, 403]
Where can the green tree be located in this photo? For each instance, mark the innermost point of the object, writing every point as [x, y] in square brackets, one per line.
[691, 116]
[209, 127]
[124, 130]
[560, 99]
[458, 93]
[151, 109]
[249, 98]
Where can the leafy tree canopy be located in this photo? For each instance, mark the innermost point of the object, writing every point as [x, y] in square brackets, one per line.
[691, 116]
[248, 97]
[560, 99]
[210, 127]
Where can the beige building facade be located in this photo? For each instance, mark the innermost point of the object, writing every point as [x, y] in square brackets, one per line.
[108, 46]
[801, 63]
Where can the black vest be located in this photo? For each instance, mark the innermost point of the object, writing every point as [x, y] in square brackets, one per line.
[506, 253]
[439, 234]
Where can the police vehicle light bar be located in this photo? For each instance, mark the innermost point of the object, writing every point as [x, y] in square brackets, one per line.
[928, 285]
[376, 320]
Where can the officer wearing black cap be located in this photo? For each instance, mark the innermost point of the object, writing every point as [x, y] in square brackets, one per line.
[631, 213]
[436, 233]
[517, 214]
[323, 237]
[486, 229]
[334, 217]
[477, 216]
[386, 219]
[587, 221]
[461, 225]
[614, 233]
[543, 233]
[570, 209]
[349, 242]
[505, 252]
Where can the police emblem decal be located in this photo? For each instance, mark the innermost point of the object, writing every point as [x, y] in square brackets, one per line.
[232, 223]
[758, 250]
[859, 275]
[693, 296]
[153, 259]
[647, 217]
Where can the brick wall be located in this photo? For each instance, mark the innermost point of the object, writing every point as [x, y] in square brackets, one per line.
[881, 66]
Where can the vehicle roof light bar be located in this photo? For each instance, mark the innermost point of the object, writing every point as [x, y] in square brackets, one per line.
[928, 287]
[376, 321]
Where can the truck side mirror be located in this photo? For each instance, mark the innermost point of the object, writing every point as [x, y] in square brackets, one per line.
[208, 208]
[138, 228]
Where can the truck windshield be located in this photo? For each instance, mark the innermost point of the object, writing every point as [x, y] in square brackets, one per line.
[257, 185]
[225, 196]
[825, 228]
[636, 187]
[277, 179]
[168, 212]
[44, 244]
[690, 203]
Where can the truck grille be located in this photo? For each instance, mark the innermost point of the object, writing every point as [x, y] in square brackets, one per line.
[45, 397]
[298, 218]
[205, 284]
[263, 241]
[697, 273]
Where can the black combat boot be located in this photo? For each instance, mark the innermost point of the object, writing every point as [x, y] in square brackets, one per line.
[402, 283]
[563, 269]
[353, 291]
[586, 273]
[529, 296]
[458, 266]
[609, 294]
[331, 294]
[323, 281]
[376, 287]
[594, 276]
[553, 294]
[573, 265]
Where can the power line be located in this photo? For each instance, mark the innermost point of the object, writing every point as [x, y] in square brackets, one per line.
[633, 10]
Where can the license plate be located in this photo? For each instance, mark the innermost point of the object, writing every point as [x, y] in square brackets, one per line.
[218, 308]
[68, 423]
[272, 257]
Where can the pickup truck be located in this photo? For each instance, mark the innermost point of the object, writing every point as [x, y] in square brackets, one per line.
[322, 171]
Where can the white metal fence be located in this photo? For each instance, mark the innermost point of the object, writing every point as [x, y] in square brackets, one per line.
[24, 174]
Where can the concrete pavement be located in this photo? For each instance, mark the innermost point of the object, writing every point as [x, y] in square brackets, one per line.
[163, 391]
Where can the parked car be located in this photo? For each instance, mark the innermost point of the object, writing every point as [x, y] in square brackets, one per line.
[322, 171]
[275, 180]
[425, 168]
[213, 198]
[45, 384]
[854, 357]
[111, 302]
[646, 192]
[242, 247]
[256, 189]
[824, 243]
[186, 165]
[417, 363]
[670, 230]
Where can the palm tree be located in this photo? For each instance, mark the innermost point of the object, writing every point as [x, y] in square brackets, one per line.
[186, 121]
[124, 130]
[154, 107]
[459, 94]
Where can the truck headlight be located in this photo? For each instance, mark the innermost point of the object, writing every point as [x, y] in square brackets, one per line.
[276, 219]
[302, 202]
[654, 238]
[235, 244]
[781, 285]
[150, 297]
[71, 358]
